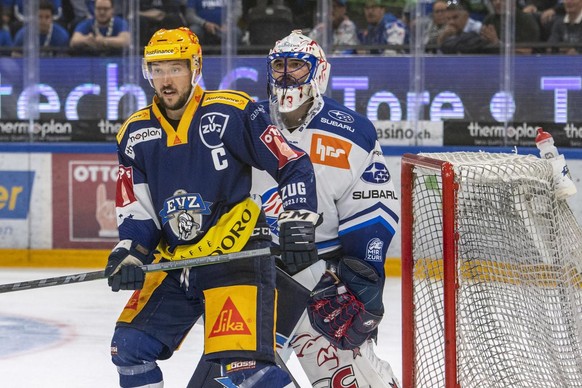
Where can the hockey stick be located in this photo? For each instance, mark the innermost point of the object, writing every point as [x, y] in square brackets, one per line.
[281, 364]
[163, 266]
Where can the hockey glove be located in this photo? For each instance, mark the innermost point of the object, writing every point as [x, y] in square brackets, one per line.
[123, 266]
[297, 240]
[347, 308]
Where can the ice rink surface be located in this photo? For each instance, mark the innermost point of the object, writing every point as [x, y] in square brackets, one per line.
[59, 336]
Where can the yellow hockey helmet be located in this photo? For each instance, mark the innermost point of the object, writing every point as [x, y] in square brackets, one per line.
[172, 45]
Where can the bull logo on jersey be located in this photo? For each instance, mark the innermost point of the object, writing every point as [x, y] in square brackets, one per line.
[272, 205]
[376, 173]
[183, 212]
[374, 250]
[212, 126]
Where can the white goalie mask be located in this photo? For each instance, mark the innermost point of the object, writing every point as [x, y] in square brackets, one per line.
[297, 70]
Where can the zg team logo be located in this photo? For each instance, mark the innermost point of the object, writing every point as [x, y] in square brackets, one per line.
[212, 126]
[184, 211]
[376, 173]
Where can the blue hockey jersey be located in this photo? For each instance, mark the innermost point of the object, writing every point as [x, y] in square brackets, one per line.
[174, 184]
[355, 190]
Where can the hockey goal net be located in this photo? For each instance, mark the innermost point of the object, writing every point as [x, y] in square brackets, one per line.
[491, 274]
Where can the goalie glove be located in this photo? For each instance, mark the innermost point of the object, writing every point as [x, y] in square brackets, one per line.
[297, 239]
[347, 308]
[123, 268]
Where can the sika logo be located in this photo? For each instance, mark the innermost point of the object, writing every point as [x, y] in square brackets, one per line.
[229, 321]
[330, 151]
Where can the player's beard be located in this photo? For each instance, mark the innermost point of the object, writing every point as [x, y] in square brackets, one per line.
[179, 104]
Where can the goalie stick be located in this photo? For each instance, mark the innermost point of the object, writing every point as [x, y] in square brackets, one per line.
[162, 266]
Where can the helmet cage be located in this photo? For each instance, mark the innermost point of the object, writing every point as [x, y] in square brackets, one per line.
[285, 79]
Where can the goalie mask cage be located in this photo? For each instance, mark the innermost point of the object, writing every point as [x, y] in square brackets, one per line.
[491, 274]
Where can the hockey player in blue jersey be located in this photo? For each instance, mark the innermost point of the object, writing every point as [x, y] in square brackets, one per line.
[334, 338]
[183, 191]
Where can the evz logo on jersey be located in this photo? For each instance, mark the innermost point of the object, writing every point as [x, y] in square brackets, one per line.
[330, 151]
[376, 173]
[275, 142]
[183, 211]
[144, 134]
[212, 126]
[374, 250]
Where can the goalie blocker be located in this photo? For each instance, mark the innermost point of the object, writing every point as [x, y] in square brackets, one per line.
[346, 306]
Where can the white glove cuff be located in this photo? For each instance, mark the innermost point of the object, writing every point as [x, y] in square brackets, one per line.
[123, 244]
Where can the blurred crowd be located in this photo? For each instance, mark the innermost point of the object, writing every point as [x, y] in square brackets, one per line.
[108, 27]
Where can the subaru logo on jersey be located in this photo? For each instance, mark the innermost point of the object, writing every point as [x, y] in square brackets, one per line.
[374, 250]
[376, 173]
[341, 116]
[272, 206]
[212, 126]
[183, 211]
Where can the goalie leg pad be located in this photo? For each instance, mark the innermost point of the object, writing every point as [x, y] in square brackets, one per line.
[327, 366]
[135, 353]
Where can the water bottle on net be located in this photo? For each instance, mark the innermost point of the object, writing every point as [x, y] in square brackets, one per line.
[565, 187]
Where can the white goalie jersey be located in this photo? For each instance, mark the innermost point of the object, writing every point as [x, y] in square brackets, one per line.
[355, 190]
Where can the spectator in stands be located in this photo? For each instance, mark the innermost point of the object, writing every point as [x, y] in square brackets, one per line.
[480, 9]
[383, 28]
[568, 28]
[104, 34]
[526, 28]
[205, 19]
[18, 7]
[545, 12]
[461, 35]
[54, 38]
[344, 31]
[5, 34]
[156, 14]
[81, 10]
[434, 24]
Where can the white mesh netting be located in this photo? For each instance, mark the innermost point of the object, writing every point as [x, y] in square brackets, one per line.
[519, 297]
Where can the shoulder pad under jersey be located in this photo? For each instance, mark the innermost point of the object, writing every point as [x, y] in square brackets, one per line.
[229, 97]
[142, 114]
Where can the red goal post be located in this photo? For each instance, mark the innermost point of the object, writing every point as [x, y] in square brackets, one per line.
[491, 274]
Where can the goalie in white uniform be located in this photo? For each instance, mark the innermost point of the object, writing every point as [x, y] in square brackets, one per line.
[360, 214]
[334, 341]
